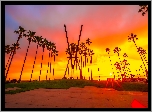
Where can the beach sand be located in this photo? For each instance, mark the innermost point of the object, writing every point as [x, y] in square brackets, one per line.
[74, 97]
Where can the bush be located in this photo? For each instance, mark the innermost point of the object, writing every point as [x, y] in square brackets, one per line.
[13, 81]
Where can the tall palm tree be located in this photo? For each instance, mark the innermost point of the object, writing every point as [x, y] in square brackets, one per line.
[87, 50]
[48, 48]
[30, 36]
[73, 48]
[54, 53]
[20, 32]
[81, 53]
[91, 54]
[7, 50]
[35, 40]
[77, 46]
[117, 50]
[43, 44]
[108, 51]
[10, 50]
[125, 65]
[142, 52]
[133, 38]
[73, 52]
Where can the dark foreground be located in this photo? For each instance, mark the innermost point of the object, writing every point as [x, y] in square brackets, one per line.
[87, 97]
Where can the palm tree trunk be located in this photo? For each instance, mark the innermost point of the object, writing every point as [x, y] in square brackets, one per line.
[91, 74]
[91, 60]
[24, 61]
[8, 60]
[34, 62]
[53, 72]
[81, 69]
[50, 67]
[67, 68]
[42, 61]
[13, 55]
[48, 64]
[85, 60]
[78, 43]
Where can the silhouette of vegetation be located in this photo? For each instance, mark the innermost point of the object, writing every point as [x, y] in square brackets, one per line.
[21, 33]
[10, 50]
[31, 38]
[74, 50]
[140, 50]
[143, 9]
[108, 51]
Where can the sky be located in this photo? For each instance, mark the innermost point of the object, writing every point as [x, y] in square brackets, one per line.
[108, 26]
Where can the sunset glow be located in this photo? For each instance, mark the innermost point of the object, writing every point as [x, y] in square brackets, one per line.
[106, 26]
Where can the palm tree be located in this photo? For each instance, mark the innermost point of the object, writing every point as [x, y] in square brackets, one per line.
[80, 53]
[30, 36]
[77, 46]
[54, 53]
[91, 54]
[48, 48]
[88, 41]
[139, 50]
[83, 51]
[124, 67]
[43, 44]
[108, 51]
[143, 9]
[74, 48]
[142, 53]
[20, 32]
[87, 51]
[9, 50]
[117, 50]
[35, 40]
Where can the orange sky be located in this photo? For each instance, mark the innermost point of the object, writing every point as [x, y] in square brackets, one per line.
[106, 26]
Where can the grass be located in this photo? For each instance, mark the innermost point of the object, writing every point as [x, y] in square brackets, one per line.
[66, 84]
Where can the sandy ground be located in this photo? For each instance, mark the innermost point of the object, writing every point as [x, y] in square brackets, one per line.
[87, 97]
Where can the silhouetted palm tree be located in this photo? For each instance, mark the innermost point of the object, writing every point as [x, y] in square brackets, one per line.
[74, 48]
[43, 45]
[133, 38]
[108, 51]
[88, 41]
[117, 50]
[20, 32]
[35, 40]
[54, 53]
[30, 36]
[10, 50]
